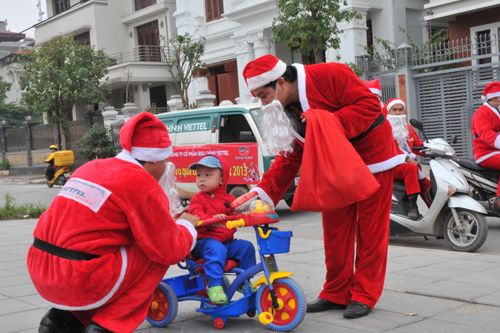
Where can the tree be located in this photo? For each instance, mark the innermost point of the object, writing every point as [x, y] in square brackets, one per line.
[13, 114]
[183, 54]
[96, 143]
[61, 74]
[310, 25]
[4, 87]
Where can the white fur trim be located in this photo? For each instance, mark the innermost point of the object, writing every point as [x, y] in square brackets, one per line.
[495, 111]
[497, 142]
[263, 195]
[151, 154]
[192, 230]
[108, 296]
[394, 102]
[387, 164]
[490, 96]
[261, 80]
[376, 91]
[124, 155]
[485, 157]
[301, 84]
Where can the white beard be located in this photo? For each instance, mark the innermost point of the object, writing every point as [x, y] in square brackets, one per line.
[400, 130]
[167, 183]
[277, 133]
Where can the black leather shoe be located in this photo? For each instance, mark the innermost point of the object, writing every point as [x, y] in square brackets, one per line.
[96, 328]
[356, 309]
[323, 305]
[59, 321]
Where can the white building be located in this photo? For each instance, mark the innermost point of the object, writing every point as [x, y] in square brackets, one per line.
[238, 31]
[130, 32]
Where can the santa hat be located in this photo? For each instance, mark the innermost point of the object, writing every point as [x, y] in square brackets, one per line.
[263, 70]
[146, 138]
[391, 103]
[491, 90]
[374, 86]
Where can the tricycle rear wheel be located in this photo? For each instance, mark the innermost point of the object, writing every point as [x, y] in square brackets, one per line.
[164, 306]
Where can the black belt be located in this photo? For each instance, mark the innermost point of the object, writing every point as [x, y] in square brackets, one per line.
[63, 253]
[375, 124]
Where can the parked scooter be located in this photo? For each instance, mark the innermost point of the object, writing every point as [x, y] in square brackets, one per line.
[453, 213]
[484, 183]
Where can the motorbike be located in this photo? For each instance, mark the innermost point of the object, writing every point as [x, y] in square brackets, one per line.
[484, 183]
[453, 214]
[62, 161]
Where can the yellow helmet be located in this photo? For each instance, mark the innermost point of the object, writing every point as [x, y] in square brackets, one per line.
[53, 147]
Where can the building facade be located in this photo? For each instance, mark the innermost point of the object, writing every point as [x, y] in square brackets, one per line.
[131, 33]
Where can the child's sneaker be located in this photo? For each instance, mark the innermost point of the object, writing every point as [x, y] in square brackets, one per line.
[217, 295]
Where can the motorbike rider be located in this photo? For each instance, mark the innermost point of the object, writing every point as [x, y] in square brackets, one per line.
[410, 172]
[51, 169]
[485, 131]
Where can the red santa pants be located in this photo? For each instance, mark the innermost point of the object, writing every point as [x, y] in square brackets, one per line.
[493, 162]
[364, 225]
[128, 308]
[408, 172]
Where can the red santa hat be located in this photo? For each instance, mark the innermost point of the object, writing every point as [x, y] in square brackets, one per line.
[263, 70]
[491, 90]
[391, 103]
[146, 138]
[374, 86]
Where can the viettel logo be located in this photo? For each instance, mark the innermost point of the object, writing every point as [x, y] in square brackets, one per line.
[244, 150]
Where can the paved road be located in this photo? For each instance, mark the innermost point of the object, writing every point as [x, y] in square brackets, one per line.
[304, 224]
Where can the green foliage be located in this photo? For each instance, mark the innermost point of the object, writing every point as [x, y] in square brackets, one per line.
[60, 74]
[310, 25]
[4, 164]
[11, 211]
[4, 87]
[14, 114]
[96, 143]
[183, 55]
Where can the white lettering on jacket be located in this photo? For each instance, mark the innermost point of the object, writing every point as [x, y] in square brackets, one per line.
[86, 193]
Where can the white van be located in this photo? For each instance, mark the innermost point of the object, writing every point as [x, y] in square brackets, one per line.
[230, 131]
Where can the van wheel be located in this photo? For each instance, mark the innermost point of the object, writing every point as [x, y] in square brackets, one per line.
[238, 191]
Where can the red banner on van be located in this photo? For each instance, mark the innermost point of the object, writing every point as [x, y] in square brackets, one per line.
[243, 161]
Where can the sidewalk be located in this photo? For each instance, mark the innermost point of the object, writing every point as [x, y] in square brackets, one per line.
[22, 180]
[425, 291]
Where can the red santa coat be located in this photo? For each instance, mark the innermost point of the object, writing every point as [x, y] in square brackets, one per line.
[485, 129]
[207, 204]
[106, 207]
[335, 88]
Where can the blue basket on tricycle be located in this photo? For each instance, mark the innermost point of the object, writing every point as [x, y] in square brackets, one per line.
[280, 311]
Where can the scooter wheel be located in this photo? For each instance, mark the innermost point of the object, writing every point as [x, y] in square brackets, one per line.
[219, 323]
[163, 308]
[469, 235]
[291, 301]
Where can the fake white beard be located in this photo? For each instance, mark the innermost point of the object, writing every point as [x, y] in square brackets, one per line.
[167, 183]
[399, 130]
[277, 133]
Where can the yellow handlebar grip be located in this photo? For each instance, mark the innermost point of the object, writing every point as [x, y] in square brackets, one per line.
[235, 224]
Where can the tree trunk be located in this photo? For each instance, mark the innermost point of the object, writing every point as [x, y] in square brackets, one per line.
[318, 56]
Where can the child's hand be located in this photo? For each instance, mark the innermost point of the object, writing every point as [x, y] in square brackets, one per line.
[220, 216]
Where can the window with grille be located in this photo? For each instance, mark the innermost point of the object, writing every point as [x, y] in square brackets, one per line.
[140, 4]
[61, 6]
[214, 9]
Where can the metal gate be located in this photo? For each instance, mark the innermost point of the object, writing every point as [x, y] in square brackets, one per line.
[446, 103]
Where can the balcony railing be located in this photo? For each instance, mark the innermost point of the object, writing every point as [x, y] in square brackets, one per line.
[141, 53]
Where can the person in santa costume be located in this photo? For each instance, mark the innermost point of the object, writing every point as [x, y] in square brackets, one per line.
[376, 88]
[107, 239]
[322, 119]
[486, 129]
[410, 172]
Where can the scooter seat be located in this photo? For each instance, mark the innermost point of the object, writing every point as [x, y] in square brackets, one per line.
[472, 165]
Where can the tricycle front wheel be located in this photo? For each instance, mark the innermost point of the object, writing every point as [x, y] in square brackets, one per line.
[291, 309]
[163, 308]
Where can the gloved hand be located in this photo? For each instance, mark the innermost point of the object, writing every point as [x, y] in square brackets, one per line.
[242, 203]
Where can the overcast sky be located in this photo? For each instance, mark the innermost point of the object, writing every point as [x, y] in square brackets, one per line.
[20, 14]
